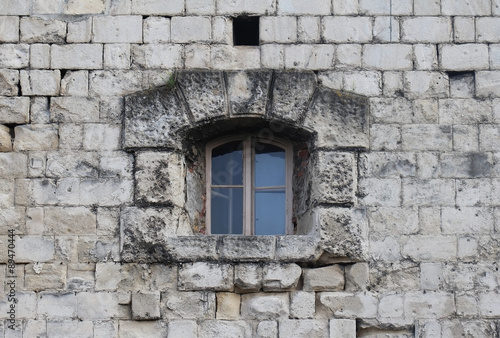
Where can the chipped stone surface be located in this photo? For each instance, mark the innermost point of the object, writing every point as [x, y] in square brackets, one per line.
[292, 93]
[205, 276]
[248, 92]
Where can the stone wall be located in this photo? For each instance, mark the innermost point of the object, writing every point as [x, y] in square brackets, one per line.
[100, 98]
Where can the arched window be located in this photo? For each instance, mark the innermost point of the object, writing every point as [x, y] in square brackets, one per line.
[249, 186]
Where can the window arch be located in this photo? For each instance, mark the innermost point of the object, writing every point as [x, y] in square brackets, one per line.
[249, 186]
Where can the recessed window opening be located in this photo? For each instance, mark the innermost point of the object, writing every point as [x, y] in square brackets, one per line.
[246, 31]
[249, 186]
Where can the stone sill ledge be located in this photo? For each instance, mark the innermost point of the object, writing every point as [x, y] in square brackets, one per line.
[225, 248]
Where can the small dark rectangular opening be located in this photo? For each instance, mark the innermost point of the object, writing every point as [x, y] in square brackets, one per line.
[246, 31]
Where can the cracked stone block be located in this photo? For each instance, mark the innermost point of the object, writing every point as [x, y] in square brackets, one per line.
[146, 305]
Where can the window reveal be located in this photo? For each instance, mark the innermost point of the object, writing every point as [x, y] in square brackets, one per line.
[249, 186]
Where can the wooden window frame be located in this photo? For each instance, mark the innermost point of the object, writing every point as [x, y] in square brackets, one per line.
[248, 177]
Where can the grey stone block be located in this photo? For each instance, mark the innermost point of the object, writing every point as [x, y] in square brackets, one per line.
[146, 305]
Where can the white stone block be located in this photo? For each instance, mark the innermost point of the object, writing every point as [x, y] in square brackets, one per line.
[465, 138]
[79, 31]
[431, 276]
[76, 7]
[225, 329]
[350, 305]
[342, 7]
[267, 329]
[465, 7]
[200, 7]
[229, 57]
[376, 191]
[464, 29]
[277, 277]
[429, 304]
[21, 7]
[363, 83]
[281, 29]
[77, 56]
[427, 29]
[426, 84]
[35, 249]
[5, 139]
[197, 56]
[265, 305]
[488, 84]
[40, 82]
[9, 82]
[467, 220]
[308, 29]
[222, 30]
[347, 29]
[14, 55]
[40, 30]
[494, 56]
[156, 29]
[431, 248]
[101, 136]
[488, 29]
[266, 7]
[303, 328]
[117, 29]
[9, 29]
[157, 7]
[309, 56]
[115, 83]
[386, 28]
[388, 57]
[299, 7]
[425, 57]
[205, 276]
[74, 109]
[182, 328]
[157, 56]
[427, 7]
[35, 137]
[14, 110]
[75, 83]
[40, 56]
[190, 29]
[342, 328]
[272, 56]
[464, 57]
[117, 56]
[302, 304]
[348, 56]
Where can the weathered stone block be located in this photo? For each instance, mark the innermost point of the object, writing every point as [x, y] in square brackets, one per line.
[388, 165]
[14, 110]
[357, 277]
[15, 8]
[69, 221]
[348, 56]
[62, 329]
[101, 136]
[105, 191]
[191, 248]
[431, 248]
[247, 277]
[225, 329]
[6, 193]
[297, 248]
[133, 329]
[334, 178]
[350, 305]
[21, 52]
[36, 137]
[117, 56]
[343, 231]
[248, 92]
[429, 304]
[185, 29]
[341, 29]
[272, 56]
[161, 106]
[145, 231]
[342, 328]
[386, 29]
[225, 7]
[426, 85]
[309, 57]
[146, 305]
[388, 57]
[75, 7]
[79, 31]
[427, 29]
[427, 137]
[9, 81]
[303, 328]
[56, 305]
[428, 192]
[341, 120]
[188, 305]
[464, 29]
[302, 304]
[5, 139]
[40, 30]
[487, 84]
[157, 56]
[265, 305]
[74, 109]
[464, 111]
[72, 164]
[280, 29]
[464, 57]
[117, 29]
[380, 192]
[363, 83]
[205, 276]
[248, 248]
[100, 305]
[280, 277]
[159, 178]
[329, 278]
[466, 165]
[13, 165]
[391, 306]
[308, 29]
[40, 82]
[230, 57]
[157, 7]
[467, 220]
[462, 7]
[75, 83]
[228, 306]
[44, 276]
[76, 56]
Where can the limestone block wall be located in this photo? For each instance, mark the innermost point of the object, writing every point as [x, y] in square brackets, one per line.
[85, 85]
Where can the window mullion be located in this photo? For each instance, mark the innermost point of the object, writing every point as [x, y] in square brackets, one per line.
[248, 187]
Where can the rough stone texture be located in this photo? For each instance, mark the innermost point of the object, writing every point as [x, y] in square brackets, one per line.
[247, 248]
[330, 278]
[228, 306]
[278, 277]
[159, 178]
[334, 180]
[146, 305]
[265, 305]
[205, 276]
[248, 92]
[340, 120]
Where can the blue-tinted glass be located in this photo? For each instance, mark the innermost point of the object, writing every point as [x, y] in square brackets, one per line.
[227, 164]
[227, 211]
[270, 211]
[269, 165]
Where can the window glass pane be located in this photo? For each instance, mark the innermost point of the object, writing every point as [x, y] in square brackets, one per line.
[227, 164]
[270, 211]
[227, 211]
[269, 165]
